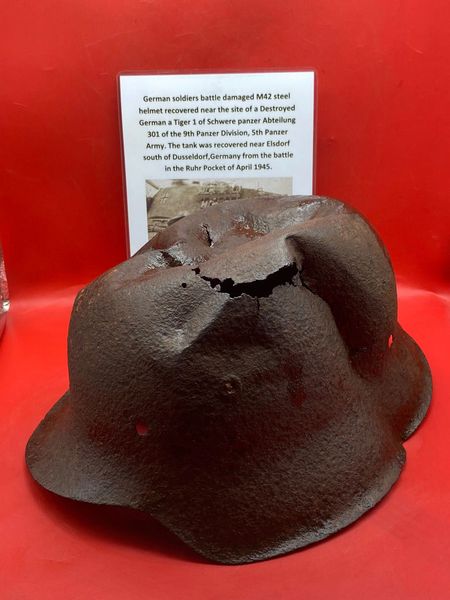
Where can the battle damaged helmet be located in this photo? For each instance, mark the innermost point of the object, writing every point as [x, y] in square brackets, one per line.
[243, 379]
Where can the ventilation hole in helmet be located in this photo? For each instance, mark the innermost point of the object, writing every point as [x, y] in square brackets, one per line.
[232, 386]
[390, 341]
[183, 285]
[141, 428]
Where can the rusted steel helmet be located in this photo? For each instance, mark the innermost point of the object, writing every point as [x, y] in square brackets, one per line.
[243, 379]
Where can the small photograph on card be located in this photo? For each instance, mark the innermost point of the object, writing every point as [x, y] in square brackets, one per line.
[171, 199]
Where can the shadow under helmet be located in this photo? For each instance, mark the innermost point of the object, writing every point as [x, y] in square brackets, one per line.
[242, 379]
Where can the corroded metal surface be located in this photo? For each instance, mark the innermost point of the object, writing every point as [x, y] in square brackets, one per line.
[243, 379]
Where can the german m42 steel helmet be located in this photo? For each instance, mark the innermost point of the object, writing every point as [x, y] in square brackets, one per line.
[243, 379]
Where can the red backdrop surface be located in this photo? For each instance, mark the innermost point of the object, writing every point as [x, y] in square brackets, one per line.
[383, 128]
[383, 144]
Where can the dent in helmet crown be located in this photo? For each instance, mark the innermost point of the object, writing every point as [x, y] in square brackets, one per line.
[242, 379]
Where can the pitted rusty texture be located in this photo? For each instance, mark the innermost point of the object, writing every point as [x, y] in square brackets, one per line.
[243, 379]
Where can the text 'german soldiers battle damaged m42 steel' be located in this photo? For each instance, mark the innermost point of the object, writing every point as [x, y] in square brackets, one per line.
[243, 379]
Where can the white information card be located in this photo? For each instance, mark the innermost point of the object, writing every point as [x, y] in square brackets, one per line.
[190, 141]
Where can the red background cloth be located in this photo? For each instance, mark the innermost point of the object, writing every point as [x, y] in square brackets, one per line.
[383, 145]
